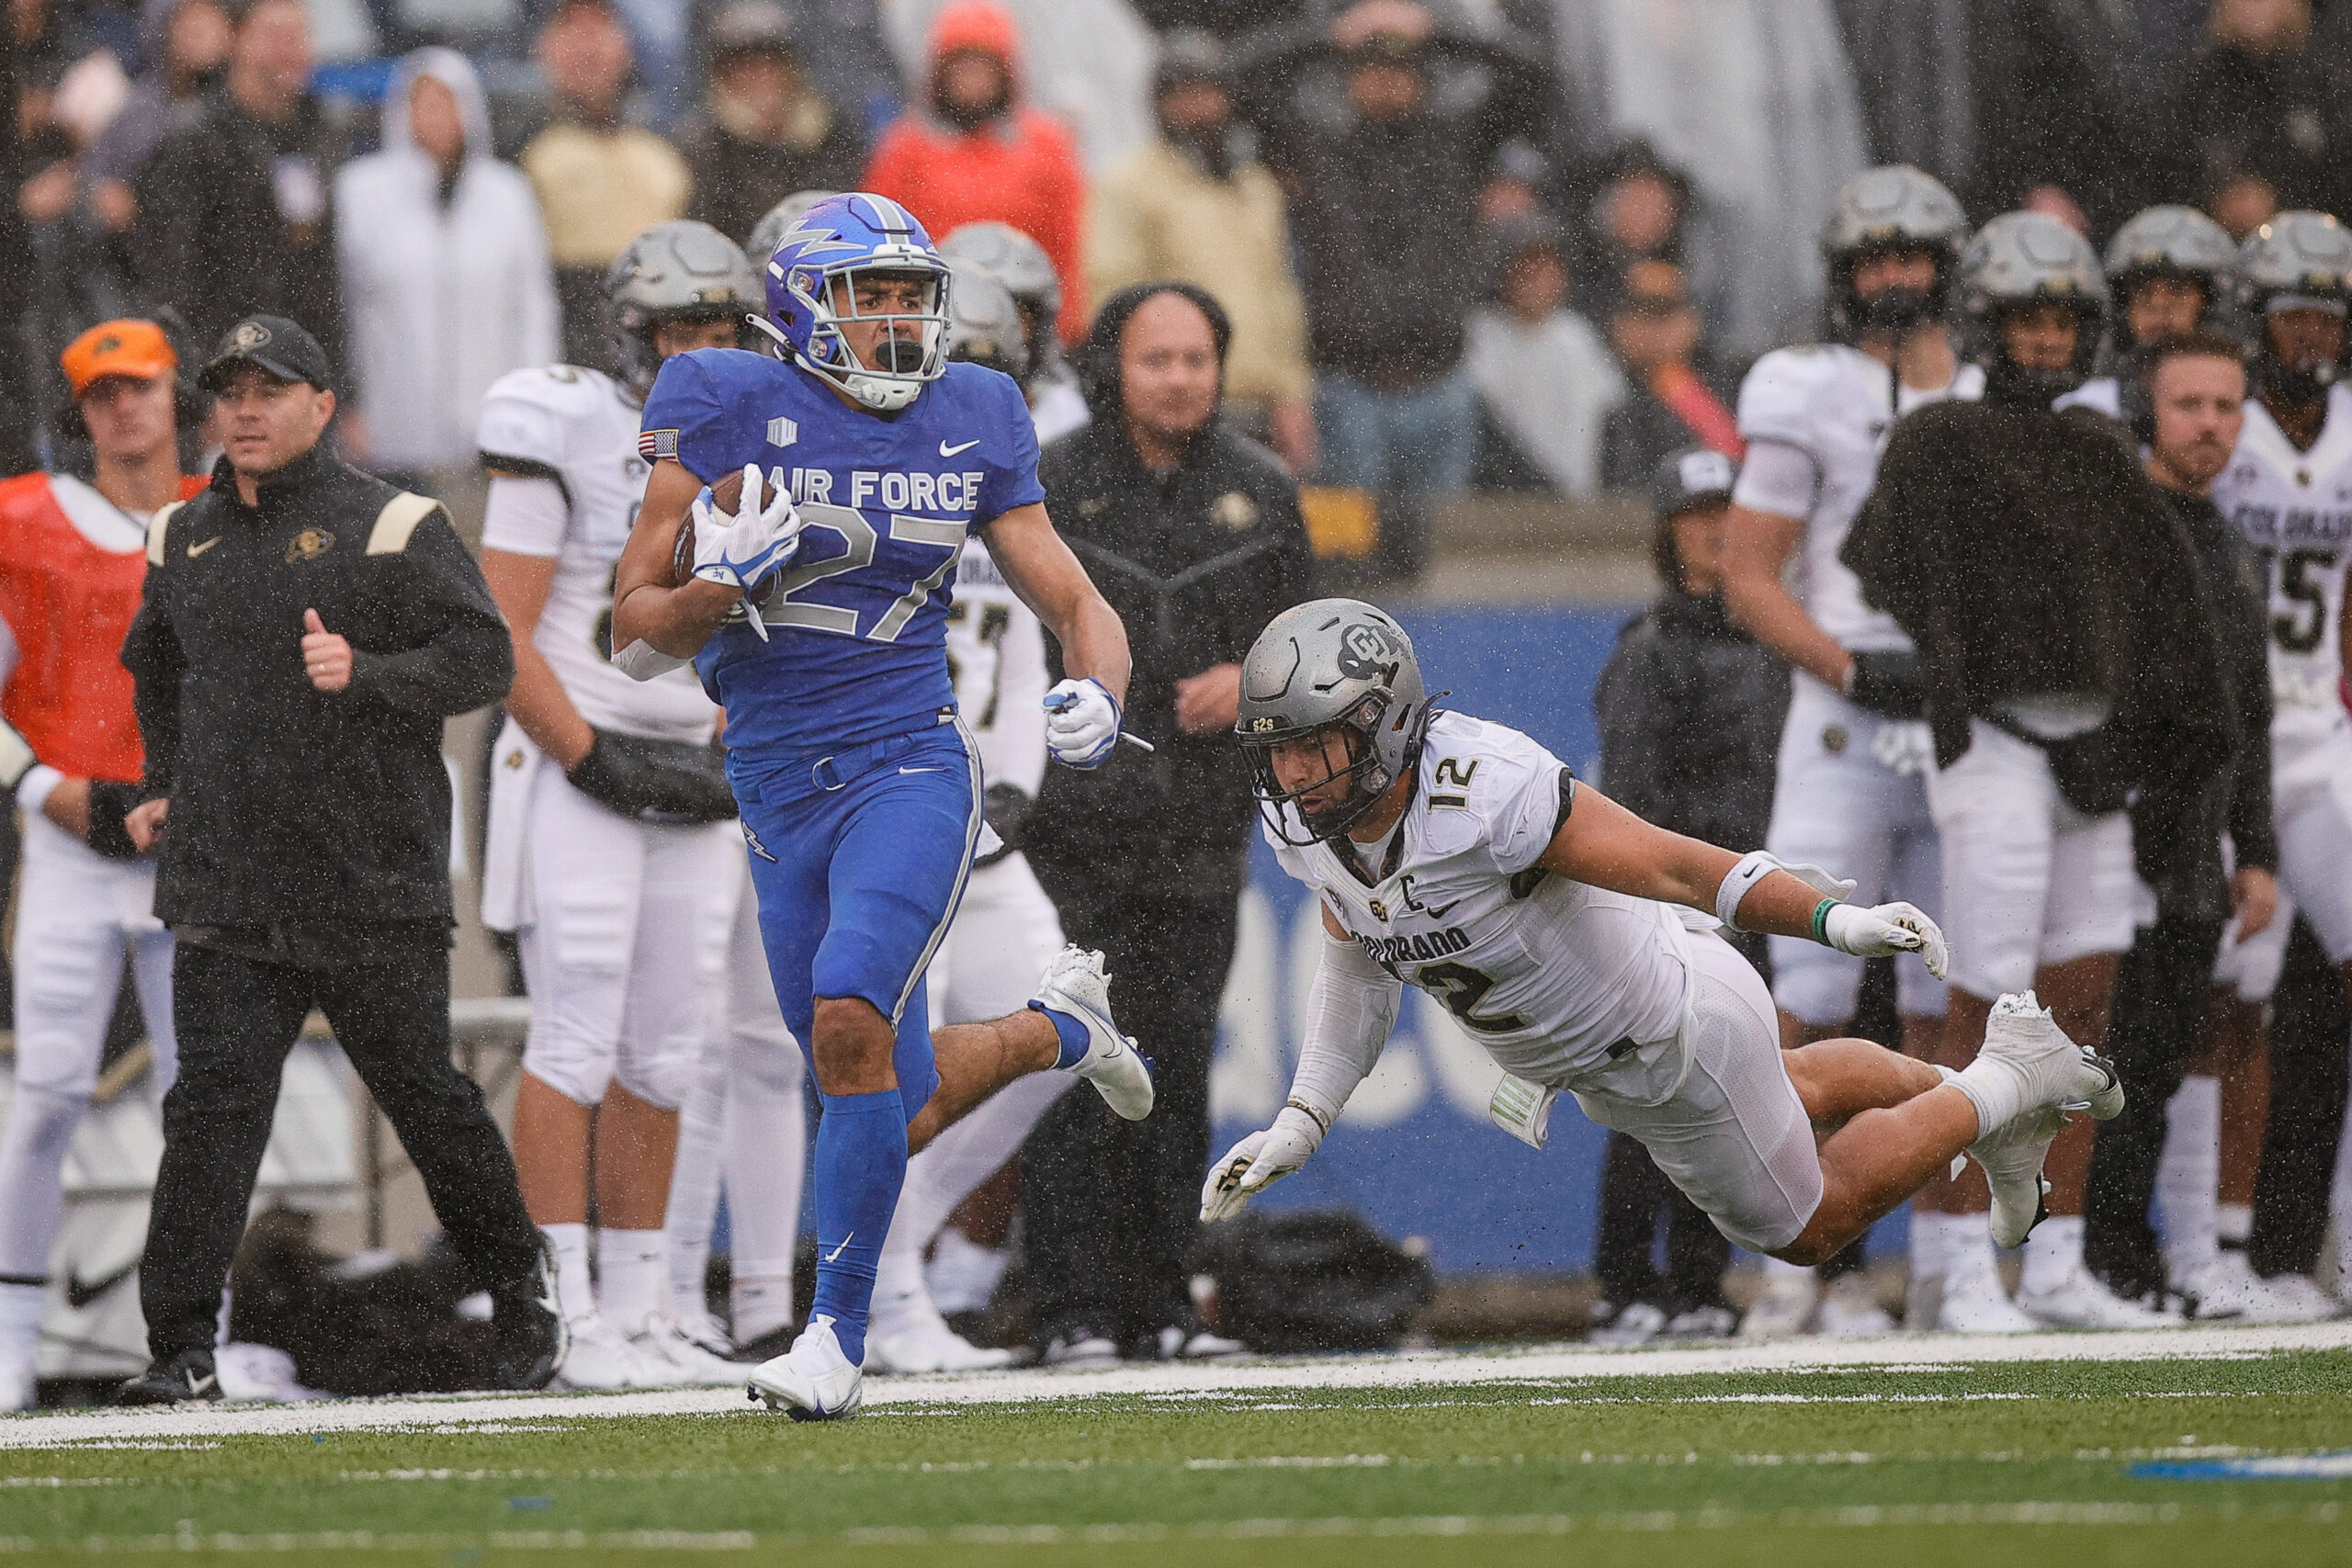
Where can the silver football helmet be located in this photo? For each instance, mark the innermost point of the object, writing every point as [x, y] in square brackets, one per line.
[1339, 666]
[2168, 242]
[769, 231]
[1019, 263]
[983, 322]
[675, 271]
[2298, 259]
[1892, 207]
[2029, 258]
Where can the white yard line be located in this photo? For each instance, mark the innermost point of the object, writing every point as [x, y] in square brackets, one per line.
[1424, 1368]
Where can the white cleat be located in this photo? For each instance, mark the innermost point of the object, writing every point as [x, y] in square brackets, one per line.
[907, 1335]
[814, 1380]
[680, 1362]
[2079, 1300]
[1635, 1322]
[1075, 984]
[2228, 1290]
[1974, 1302]
[2012, 1154]
[600, 1358]
[2298, 1294]
[2024, 1035]
[1785, 1307]
[1850, 1310]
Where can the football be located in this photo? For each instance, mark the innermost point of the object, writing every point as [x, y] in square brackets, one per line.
[724, 496]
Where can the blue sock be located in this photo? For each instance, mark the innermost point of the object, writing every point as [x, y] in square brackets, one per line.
[861, 1164]
[1070, 1031]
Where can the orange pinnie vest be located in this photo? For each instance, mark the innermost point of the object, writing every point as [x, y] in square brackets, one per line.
[68, 604]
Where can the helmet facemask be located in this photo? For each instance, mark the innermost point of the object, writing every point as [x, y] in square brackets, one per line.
[910, 349]
[1365, 778]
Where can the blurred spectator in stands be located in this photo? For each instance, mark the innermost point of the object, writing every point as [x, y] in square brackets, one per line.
[1674, 400]
[2261, 117]
[1639, 211]
[234, 213]
[445, 275]
[1544, 378]
[1754, 100]
[81, 271]
[1086, 62]
[2061, 115]
[186, 45]
[764, 131]
[975, 151]
[1384, 122]
[1690, 711]
[1227, 19]
[1197, 206]
[600, 180]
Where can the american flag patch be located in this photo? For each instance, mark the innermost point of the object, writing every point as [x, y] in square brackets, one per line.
[655, 444]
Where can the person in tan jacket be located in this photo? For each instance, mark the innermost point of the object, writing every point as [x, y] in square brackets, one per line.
[1196, 207]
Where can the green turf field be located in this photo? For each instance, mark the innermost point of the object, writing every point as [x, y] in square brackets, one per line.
[1908, 1464]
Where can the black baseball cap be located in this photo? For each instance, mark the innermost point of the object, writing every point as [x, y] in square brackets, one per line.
[277, 345]
[1692, 476]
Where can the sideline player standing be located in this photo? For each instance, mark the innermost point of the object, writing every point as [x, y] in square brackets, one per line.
[2289, 491]
[1849, 794]
[1022, 266]
[2168, 272]
[1461, 856]
[72, 556]
[617, 865]
[860, 788]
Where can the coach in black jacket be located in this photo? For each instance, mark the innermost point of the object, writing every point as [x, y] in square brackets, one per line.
[305, 630]
[1193, 535]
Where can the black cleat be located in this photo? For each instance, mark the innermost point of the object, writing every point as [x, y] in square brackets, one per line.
[530, 1338]
[186, 1378]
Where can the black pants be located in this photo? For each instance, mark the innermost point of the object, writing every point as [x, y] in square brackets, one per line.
[1632, 1191]
[2309, 1023]
[2161, 992]
[238, 1017]
[1111, 1206]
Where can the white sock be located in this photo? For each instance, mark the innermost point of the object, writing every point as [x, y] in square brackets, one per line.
[1774, 1269]
[1970, 1260]
[575, 1287]
[693, 1187]
[20, 1309]
[2053, 1253]
[2234, 1225]
[761, 1304]
[2189, 1174]
[632, 1276]
[1994, 1088]
[1938, 1237]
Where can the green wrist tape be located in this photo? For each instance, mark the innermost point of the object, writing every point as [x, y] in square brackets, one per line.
[1821, 919]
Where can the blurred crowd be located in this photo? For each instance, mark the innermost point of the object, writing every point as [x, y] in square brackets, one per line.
[1502, 244]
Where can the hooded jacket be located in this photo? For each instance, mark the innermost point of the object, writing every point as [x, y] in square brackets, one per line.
[1021, 167]
[448, 282]
[2027, 556]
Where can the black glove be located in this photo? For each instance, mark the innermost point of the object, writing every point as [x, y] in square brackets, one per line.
[110, 802]
[655, 780]
[1006, 807]
[1888, 682]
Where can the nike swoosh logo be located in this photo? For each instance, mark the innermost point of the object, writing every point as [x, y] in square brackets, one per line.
[80, 1293]
[1439, 914]
[947, 451]
[834, 1256]
[196, 550]
[199, 1386]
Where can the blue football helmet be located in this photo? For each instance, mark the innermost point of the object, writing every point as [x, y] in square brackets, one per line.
[812, 289]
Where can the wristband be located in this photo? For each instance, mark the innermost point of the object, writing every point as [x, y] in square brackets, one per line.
[1821, 919]
[1752, 868]
[1295, 1103]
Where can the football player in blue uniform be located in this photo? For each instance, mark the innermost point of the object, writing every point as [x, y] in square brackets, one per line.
[815, 606]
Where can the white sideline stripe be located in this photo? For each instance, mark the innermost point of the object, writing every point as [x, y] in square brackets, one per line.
[1421, 1369]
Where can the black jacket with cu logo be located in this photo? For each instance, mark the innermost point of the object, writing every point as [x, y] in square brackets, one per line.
[293, 807]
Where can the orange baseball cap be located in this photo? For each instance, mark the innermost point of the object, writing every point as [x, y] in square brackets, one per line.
[127, 347]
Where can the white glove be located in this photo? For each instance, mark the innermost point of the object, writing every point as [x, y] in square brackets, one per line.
[1081, 723]
[743, 550]
[1884, 932]
[1258, 1161]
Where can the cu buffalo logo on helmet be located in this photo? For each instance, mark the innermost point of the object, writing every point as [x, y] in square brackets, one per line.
[1367, 653]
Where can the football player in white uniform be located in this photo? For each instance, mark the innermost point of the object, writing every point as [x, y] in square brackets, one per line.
[1849, 792]
[613, 849]
[2168, 271]
[1020, 262]
[2289, 490]
[1461, 857]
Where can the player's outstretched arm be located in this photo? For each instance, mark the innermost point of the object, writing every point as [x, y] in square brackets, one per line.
[650, 604]
[1349, 1010]
[1604, 845]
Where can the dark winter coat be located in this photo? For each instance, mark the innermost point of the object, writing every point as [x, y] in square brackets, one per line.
[2027, 555]
[2242, 620]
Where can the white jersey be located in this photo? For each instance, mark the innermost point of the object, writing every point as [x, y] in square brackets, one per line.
[996, 655]
[2101, 394]
[579, 428]
[1057, 406]
[1552, 976]
[2295, 509]
[1836, 405]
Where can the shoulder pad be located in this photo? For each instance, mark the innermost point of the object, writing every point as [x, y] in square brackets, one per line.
[1778, 399]
[526, 413]
[397, 521]
[157, 526]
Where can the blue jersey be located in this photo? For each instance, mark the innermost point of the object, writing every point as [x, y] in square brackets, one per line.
[857, 624]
